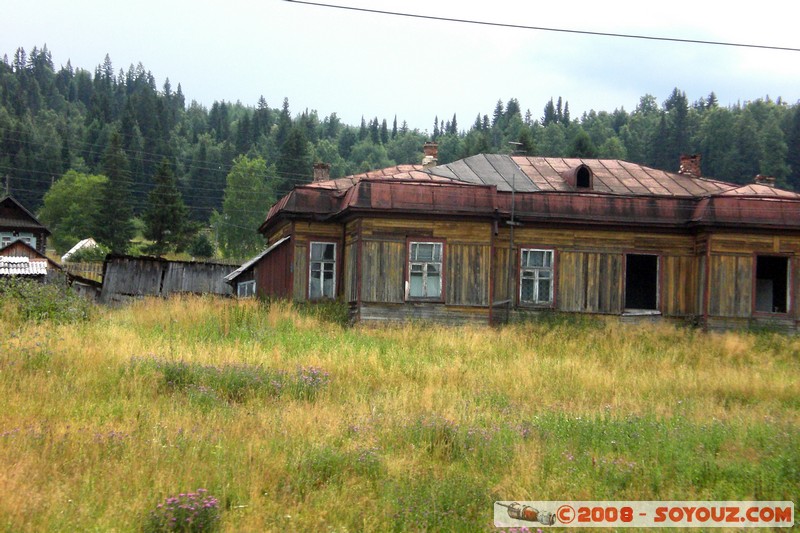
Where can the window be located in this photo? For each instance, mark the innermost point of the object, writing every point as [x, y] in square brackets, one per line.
[641, 282]
[772, 284]
[322, 270]
[536, 277]
[425, 270]
[246, 289]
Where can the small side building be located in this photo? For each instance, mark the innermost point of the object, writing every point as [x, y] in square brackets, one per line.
[20, 259]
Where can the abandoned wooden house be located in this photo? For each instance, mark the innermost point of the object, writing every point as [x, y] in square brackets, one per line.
[17, 223]
[492, 235]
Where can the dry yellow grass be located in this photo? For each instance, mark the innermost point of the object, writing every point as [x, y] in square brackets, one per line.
[92, 440]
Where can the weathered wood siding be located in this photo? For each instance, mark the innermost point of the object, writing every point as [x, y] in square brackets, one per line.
[467, 274]
[679, 279]
[382, 271]
[273, 274]
[409, 312]
[731, 285]
[300, 271]
[143, 276]
[590, 282]
[351, 271]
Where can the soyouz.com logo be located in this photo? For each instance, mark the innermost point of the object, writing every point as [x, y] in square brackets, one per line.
[643, 514]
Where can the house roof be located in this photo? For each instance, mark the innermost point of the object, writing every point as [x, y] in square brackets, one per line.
[84, 243]
[14, 215]
[621, 193]
[230, 278]
[611, 176]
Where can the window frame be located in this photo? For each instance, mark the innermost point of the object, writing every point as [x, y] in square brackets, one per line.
[442, 262]
[248, 293]
[520, 274]
[311, 262]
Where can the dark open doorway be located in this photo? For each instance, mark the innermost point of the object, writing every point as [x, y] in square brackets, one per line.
[641, 282]
[772, 276]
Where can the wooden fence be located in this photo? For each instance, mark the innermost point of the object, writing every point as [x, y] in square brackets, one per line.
[127, 277]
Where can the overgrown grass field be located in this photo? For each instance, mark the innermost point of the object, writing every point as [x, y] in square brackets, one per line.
[292, 422]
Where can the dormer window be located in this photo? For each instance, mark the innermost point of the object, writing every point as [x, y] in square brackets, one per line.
[583, 179]
[580, 177]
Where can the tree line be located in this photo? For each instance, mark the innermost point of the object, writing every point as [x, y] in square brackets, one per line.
[109, 154]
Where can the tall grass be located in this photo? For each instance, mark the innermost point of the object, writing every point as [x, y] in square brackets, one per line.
[295, 422]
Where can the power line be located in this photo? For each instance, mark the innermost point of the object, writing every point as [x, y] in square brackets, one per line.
[544, 28]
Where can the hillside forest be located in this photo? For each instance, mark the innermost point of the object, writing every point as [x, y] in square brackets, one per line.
[111, 154]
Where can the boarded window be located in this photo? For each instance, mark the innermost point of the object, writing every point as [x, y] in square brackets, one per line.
[322, 270]
[772, 284]
[425, 270]
[641, 282]
[536, 277]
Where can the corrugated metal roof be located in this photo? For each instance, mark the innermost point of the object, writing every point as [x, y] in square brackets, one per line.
[22, 266]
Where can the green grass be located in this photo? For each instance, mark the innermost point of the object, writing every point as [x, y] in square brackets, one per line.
[297, 423]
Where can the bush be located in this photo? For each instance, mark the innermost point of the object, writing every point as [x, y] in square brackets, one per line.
[38, 302]
[195, 512]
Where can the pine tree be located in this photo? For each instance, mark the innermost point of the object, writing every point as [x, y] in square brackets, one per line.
[166, 215]
[114, 225]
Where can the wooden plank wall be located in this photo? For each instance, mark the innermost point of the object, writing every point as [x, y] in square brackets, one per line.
[679, 288]
[439, 313]
[382, 271]
[467, 279]
[731, 285]
[300, 271]
[350, 271]
[590, 282]
[273, 273]
[303, 233]
[384, 256]
[141, 276]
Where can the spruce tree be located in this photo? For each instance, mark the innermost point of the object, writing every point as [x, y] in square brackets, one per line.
[166, 215]
[114, 222]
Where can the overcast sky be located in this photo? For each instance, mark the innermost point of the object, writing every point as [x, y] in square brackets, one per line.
[355, 63]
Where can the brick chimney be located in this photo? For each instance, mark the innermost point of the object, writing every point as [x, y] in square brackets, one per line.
[431, 150]
[690, 166]
[322, 172]
[769, 181]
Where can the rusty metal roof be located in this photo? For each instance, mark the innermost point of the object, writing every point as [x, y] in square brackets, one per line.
[611, 176]
[620, 193]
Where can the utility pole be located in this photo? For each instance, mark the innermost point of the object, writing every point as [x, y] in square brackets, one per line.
[8, 187]
[511, 223]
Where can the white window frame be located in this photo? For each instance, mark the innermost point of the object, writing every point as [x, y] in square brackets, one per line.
[321, 264]
[425, 267]
[246, 289]
[535, 274]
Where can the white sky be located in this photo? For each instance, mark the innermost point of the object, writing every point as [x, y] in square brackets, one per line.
[358, 64]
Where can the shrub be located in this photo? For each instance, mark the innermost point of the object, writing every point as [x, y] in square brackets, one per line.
[193, 512]
[38, 302]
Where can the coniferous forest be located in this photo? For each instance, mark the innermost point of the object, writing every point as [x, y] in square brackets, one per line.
[108, 153]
